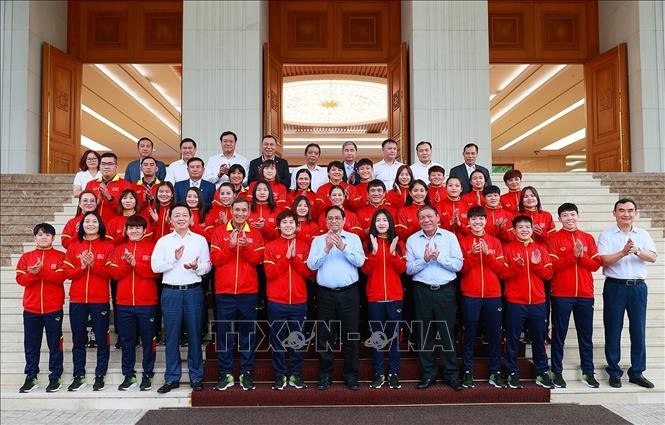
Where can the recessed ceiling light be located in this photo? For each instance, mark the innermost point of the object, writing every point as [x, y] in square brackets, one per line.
[95, 146]
[516, 73]
[144, 72]
[568, 140]
[573, 163]
[578, 170]
[545, 123]
[111, 124]
[524, 94]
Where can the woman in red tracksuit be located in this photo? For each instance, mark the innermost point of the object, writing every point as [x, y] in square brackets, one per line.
[268, 173]
[220, 214]
[128, 206]
[337, 196]
[407, 216]
[264, 210]
[285, 262]
[159, 214]
[543, 223]
[87, 202]
[137, 301]
[475, 198]
[397, 195]
[85, 264]
[386, 260]
[308, 229]
[452, 209]
[303, 188]
[194, 201]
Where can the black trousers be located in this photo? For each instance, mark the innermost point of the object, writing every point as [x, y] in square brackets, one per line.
[338, 308]
[435, 313]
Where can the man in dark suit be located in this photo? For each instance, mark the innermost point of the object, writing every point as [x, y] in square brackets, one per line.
[349, 152]
[268, 150]
[133, 170]
[463, 171]
[195, 167]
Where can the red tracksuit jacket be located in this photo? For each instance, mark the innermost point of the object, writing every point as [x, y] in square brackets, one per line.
[44, 291]
[351, 223]
[236, 267]
[90, 286]
[136, 285]
[213, 220]
[525, 284]
[353, 201]
[269, 230]
[366, 213]
[309, 194]
[473, 199]
[511, 200]
[542, 217]
[572, 275]
[109, 209]
[115, 230]
[407, 221]
[278, 192]
[70, 231]
[287, 276]
[162, 226]
[383, 270]
[480, 272]
[397, 199]
[447, 208]
[308, 230]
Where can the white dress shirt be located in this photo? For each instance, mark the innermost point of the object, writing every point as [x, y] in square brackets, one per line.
[214, 162]
[319, 176]
[386, 172]
[421, 171]
[163, 258]
[470, 169]
[631, 266]
[176, 172]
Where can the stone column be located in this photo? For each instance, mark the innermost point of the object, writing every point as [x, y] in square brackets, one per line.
[449, 77]
[222, 85]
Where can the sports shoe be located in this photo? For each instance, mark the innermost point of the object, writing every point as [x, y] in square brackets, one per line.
[378, 381]
[77, 384]
[497, 381]
[514, 381]
[146, 383]
[544, 380]
[467, 381]
[246, 381]
[129, 383]
[99, 384]
[29, 385]
[297, 382]
[280, 383]
[590, 381]
[224, 382]
[393, 381]
[558, 381]
[54, 385]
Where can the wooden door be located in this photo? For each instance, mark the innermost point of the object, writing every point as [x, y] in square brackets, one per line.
[272, 97]
[61, 111]
[608, 131]
[398, 101]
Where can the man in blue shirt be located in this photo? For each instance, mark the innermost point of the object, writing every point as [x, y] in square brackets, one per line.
[433, 257]
[336, 257]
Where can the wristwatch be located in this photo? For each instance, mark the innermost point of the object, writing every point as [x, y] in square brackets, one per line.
[637, 252]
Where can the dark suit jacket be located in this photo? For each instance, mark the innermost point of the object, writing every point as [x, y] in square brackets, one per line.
[283, 173]
[133, 171]
[356, 176]
[460, 172]
[207, 189]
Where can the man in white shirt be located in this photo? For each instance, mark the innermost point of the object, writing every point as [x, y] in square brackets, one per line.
[218, 165]
[421, 167]
[386, 169]
[319, 174]
[177, 171]
[625, 249]
[183, 257]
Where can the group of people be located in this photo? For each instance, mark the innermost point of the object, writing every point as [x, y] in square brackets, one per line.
[399, 246]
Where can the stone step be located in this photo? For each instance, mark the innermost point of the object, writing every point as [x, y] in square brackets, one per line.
[578, 393]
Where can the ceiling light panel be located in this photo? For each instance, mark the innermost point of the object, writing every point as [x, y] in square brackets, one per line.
[108, 122]
[566, 141]
[95, 146]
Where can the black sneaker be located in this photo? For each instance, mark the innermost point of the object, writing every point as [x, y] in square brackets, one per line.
[544, 380]
[590, 381]
[280, 383]
[496, 380]
[99, 384]
[54, 385]
[297, 382]
[117, 344]
[393, 381]
[77, 384]
[224, 382]
[467, 380]
[378, 381]
[558, 381]
[514, 381]
[146, 384]
[246, 381]
[30, 384]
[168, 386]
[129, 383]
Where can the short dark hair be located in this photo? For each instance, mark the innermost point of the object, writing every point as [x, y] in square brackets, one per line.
[427, 207]
[511, 174]
[145, 138]
[336, 164]
[477, 172]
[624, 201]
[187, 140]
[285, 214]
[134, 195]
[304, 171]
[194, 159]
[376, 183]
[334, 187]
[365, 161]
[148, 157]
[436, 169]
[423, 143]
[350, 142]
[567, 207]
[417, 182]
[453, 178]
[269, 136]
[44, 227]
[102, 228]
[271, 196]
[109, 155]
[312, 145]
[83, 165]
[521, 219]
[136, 221]
[491, 189]
[228, 133]
[385, 142]
[477, 211]
[334, 207]
[237, 167]
[470, 145]
[240, 201]
[177, 205]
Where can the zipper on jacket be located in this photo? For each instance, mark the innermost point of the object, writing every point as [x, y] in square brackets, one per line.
[41, 288]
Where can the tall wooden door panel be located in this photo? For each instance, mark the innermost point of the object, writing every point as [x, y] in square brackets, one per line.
[61, 111]
[608, 132]
[272, 97]
[398, 98]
